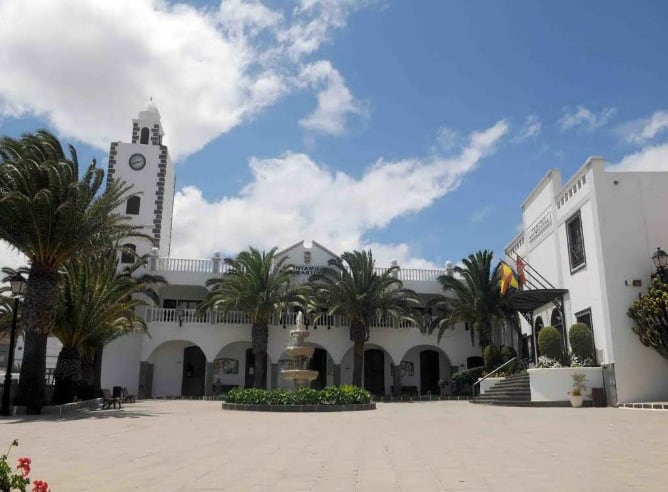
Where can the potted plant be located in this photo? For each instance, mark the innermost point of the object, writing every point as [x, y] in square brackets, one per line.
[577, 391]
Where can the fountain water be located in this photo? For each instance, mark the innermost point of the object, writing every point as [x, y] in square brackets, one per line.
[299, 356]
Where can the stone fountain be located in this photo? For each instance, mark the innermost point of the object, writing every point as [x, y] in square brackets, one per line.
[298, 356]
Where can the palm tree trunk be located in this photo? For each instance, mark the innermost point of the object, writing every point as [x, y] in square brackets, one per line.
[260, 339]
[358, 337]
[67, 375]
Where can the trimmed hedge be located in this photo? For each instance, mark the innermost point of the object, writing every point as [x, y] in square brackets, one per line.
[549, 342]
[492, 357]
[332, 395]
[581, 339]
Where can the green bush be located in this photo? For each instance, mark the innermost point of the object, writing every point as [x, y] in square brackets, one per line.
[582, 342]
[332, 395]
[507, 353]
[492, 357]
[549, 342]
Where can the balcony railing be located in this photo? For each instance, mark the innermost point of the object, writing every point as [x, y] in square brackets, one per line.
[189, 316]
[190, 265]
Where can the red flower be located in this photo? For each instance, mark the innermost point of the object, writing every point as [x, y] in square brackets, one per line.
[24, 466]
[40, 486]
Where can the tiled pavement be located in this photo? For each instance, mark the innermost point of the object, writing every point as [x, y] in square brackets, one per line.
[426, 446]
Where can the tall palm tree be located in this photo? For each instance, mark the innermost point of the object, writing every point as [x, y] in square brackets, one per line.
[257, 284]
[350, 286]
[97, 304]
[471, 297]
[50, 214]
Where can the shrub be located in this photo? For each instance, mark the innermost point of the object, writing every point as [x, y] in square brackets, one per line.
[332, 395]
[548, 362]
[581, 339]
[576, 361]
[549, 342]
[579, 384]
[492, 357]
[650, 317]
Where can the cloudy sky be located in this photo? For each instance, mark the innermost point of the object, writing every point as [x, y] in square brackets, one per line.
[413, 128]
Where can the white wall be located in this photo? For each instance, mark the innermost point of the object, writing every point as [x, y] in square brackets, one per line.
[167, 362]
[120, 363]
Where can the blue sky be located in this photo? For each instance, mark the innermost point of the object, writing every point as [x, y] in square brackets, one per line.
[413, 128]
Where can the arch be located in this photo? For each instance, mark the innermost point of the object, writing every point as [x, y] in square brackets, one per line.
[347, 366]
[132, 205]
[430, 365]
[127, 253]
[145, 134]
[168, 361]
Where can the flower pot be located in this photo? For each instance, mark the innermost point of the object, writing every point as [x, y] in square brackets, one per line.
[576, 400]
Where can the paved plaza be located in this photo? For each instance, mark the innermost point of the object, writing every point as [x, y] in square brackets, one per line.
[427, 446]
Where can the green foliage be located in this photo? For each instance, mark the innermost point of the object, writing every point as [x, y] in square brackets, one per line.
[581, 339]
[332, 395]
[17, 480]
[549, 342]
[650, 317]
[579, 384]
[492, 357]
[464, 379]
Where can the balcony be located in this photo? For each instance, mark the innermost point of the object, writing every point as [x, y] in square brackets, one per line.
[189, 316]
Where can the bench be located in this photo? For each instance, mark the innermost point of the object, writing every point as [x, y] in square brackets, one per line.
[108, 400]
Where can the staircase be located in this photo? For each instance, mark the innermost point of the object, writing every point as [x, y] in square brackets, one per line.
[512, 391]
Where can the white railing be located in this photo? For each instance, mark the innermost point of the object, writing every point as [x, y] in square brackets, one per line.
[181, 316]
[420, 274]
[185, 265]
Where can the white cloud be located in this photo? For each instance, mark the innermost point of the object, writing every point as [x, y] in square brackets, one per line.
[9, 257]
[292, 197]
[642, 131]
[335, 102]
[447, 140]
[480, 215]
[208, 71]
[531, 128]
[654, 158]
[584, 118]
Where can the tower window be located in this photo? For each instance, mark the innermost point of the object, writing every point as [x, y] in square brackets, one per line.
[127, 254]
[144, 136]
[132, 206]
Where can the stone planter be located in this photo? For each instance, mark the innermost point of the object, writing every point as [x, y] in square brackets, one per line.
[554, 385]
[576, 400]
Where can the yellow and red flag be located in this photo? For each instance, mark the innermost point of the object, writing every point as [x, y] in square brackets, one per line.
[508, 278]
[520, 270]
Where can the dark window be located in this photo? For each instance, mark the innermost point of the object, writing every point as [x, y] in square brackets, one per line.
[132, 206]
[556, 321]
[144, 136]
[576, 247]
[127, 255]
[584, 316]
[538, 325]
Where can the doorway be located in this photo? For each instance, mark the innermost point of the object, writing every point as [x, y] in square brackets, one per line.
[319, 363]
[194, 366]
[249, 378]
[429, 371]
[374, 371]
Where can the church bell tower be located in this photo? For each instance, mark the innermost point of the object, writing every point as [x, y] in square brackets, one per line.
[145, 164]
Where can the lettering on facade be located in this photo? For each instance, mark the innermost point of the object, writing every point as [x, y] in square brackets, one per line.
[307, 269]
[540, 225]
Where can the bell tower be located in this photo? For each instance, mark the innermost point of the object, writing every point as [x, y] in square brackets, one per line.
[145, 164]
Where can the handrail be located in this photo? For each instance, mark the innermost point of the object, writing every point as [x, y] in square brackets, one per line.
[488, 375]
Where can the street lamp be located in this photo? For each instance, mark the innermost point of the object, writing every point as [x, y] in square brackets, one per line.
[660, 260]
[17, 283]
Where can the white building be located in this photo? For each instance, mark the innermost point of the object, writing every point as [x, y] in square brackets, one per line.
[593, 238]
[186, 355]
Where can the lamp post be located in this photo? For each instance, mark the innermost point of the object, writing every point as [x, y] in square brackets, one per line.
[660, 260]
[17, 284]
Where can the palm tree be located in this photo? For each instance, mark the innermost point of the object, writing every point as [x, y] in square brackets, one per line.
[97, 304]
[472, 297]
[351, 287]
[257, 284]
[50, 215]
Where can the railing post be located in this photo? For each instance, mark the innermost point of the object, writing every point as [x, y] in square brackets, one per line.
[153, 260]
[395, 274]
[216, 262]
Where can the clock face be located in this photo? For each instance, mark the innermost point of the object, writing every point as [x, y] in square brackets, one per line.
[137, 161]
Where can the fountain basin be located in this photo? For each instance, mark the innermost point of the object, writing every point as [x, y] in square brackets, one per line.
[299, 375]
[300, 351]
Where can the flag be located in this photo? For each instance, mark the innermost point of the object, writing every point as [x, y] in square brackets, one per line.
[520, 270]
[508, 278]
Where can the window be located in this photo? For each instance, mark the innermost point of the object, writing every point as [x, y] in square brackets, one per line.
[556, 321]
[307, 257]
[576, 247]
[128, 253]
[144, 136]
[584, 316]
[132, 206]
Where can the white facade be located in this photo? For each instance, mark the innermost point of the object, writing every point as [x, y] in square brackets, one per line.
[623, 220]
[186, 355]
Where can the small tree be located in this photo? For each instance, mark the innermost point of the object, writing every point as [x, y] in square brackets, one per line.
[650, 317]
[549, 342]
[582, 341]
[492, 357]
